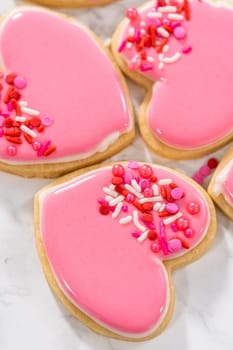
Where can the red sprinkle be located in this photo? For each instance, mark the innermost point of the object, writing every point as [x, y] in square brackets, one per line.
[212, 163]
[28, 138]
[152, 235]
[104, 209]
[10, 78]
[147, 206]
[147, 217]
[117, 180]
[49, 150]
[12, 139]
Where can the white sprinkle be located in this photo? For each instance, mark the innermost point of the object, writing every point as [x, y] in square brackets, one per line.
[28, 131]
[150, 199]
[157, 206]
[125, 220]
[142, 24]
[163, 182]
[136, 185]
[116, 200]
[129, 45]
[108, 198]
[163, 32]
[167, 9]
[20, 119]
[165, 48]
[154, 15]
[136, 221]
[132, 190]
[172, 218]
[142, 31]
[175, 16]
[160, 57]
[160, 65]
[30, 111]
[150, 59]
[143, 236]
[112, 187]
[117, 210]
[23, 103]
[109, 191]
[131, 31]
[155, 189]
[173, 58]
[163, 206]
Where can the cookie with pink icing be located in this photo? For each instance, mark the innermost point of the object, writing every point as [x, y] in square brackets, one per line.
[181, 52]
[58, 112]
[109, 237]
[71, 3]
[221, 184]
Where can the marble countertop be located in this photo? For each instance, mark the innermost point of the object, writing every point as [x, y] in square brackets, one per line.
[32, 318]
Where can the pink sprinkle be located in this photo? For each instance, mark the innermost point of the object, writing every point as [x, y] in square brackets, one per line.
[125, 208]
[205, 170]
[155, 247]
[174, 245]
[179, 33]
[11, 150]
[137, 178]
[10, 106]
[199, 178]
[144, 184]
[43, 148]
[136, 234]
[187, 49]
[122, 46]
[162, 238]
[174, 227]
[5, 114]
[46, 120]
[172, 208]
[36, 145]
[189, 232]
[1, 132]
[137, 36]
[146, 68]
[127, 178]
[111, 208]
[166, 22]
[175, 25]
[20, 82]
[132, 164]
[30, 127]
[150, 225]
[177, 193]
[130, 198]
[102, 201]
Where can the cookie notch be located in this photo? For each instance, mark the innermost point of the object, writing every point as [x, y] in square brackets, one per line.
[170, 265]
[123, 46]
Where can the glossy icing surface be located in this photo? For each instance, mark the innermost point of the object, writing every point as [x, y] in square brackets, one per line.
[228, 186]
[191, 104]
[102, 269]
[224, 183]
[58, 60]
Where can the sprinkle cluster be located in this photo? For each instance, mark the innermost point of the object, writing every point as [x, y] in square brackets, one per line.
[18, 122]
[151, 198]
[205, 171]
[152, 34]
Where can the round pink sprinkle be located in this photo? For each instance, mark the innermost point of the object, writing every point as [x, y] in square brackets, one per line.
[177, 193]
[182, 223]
[179, 33]
[174, 227]
[174, 245]
[11, 150]
[136, 234]
[20, 82]
[1, 132]
[189, 232]
[155, 247]
[125, 208]
[193, 208]
[172, 208]
[198, 177]
[10, 106]
[205, 170]
[137, 178]
[127, 177]
[36, 145]
[102, 201]
[132, 13]
[144, 184]
[166, 22]
[148, 192]
[46, 120]
[5, 114]
[130, 198]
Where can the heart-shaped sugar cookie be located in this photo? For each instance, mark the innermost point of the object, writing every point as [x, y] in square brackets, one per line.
[109, 237]
[185, 48]
[64, 104]
[221, 184]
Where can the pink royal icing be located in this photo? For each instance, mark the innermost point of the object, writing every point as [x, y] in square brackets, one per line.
[56, 67]
[224, 183]
[101, 264]
[191, 104]
[228, 186]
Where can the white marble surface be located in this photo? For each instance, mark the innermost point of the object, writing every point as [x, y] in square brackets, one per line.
[31, 317]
